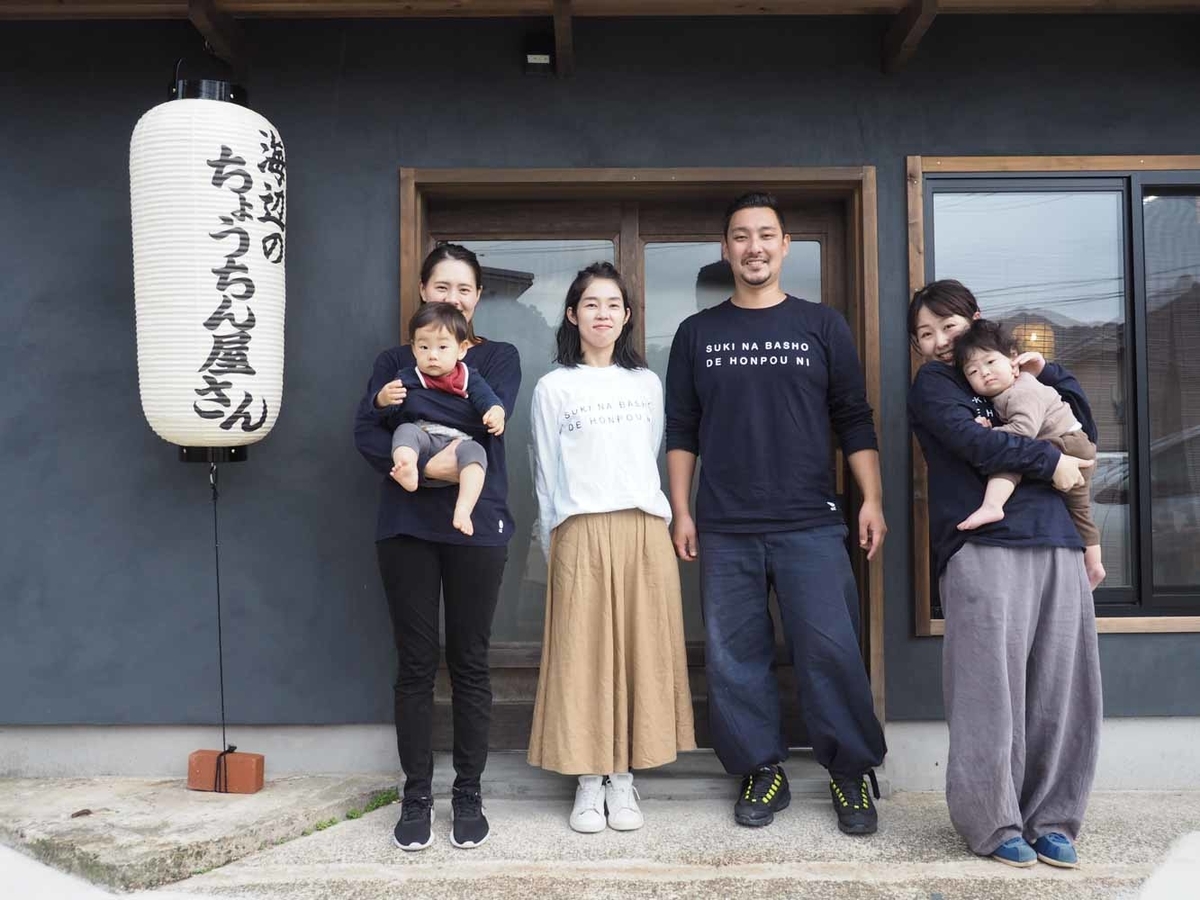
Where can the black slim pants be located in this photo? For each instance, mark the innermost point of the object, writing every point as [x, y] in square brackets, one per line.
[416, 574]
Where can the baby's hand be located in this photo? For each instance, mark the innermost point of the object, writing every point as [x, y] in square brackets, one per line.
[1031, 361]
[494, 420]
[984, 421]
[391, 394]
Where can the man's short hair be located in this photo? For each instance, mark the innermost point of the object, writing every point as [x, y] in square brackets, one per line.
[753, 200]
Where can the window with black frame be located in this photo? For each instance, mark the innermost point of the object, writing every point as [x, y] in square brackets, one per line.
[1101, 274]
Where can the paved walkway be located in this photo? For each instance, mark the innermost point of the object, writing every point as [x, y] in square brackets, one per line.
[691, 848]
[154, 833]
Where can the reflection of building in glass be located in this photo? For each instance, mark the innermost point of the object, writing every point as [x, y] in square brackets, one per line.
[1095, 354]
[522, 303]
[1172, 242]
[504, 315]
[714, 284]
[505, 283]
[1032, 336]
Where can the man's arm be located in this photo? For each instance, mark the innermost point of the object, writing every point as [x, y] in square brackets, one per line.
[683, 443]
[864, 466]
[681, 467]
[849, 412]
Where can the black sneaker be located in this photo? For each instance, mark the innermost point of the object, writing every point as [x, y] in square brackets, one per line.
[470, 824]
[855, 811]
[764, 792]
[414, 830]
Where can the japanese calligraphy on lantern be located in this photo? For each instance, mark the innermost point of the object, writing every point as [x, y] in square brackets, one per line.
[207, 189]
[274, 169]
[227, 373]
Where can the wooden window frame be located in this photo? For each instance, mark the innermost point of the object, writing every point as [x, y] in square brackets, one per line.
[856, 185]
[917, 168]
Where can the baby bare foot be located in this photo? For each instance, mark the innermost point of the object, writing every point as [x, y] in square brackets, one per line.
[985, 515]
[404, 473]
[462, 521]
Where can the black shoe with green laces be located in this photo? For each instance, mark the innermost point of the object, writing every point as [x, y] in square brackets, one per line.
[764, 793]
[855, 811]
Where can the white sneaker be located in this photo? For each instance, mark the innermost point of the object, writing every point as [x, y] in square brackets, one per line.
[588, 815]
[621, 797]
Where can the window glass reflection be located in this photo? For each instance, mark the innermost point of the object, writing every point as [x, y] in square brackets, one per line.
[1172, 245]
[1051, 265]
[524, 286]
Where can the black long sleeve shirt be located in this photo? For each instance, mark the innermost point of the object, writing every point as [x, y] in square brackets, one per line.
[758, 394]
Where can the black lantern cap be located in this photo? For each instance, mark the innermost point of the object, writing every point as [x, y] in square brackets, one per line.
[209, 80]
[213, 454]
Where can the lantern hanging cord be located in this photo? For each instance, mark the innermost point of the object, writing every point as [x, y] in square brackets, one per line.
[212, 479]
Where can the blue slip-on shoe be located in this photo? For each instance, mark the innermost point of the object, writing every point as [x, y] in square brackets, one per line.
[1015, 852]
[1056, 849]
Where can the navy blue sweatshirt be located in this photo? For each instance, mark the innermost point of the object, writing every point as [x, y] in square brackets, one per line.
[479, 393]
[960, 456]
[754, 393]
[427, 514]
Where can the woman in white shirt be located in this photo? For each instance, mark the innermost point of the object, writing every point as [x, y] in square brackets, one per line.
[613, 689]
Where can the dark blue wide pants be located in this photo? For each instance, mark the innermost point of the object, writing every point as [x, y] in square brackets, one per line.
[818, 603]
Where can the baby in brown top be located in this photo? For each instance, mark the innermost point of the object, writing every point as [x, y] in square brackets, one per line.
[1030, 409]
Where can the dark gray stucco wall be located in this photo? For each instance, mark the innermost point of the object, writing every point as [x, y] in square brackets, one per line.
[105, 540]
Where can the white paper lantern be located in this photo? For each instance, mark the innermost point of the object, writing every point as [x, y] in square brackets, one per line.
[207, 190]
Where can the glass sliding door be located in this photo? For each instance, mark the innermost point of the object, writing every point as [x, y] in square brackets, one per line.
[524, 285]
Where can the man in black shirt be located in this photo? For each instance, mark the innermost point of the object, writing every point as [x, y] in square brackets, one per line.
[757, 386]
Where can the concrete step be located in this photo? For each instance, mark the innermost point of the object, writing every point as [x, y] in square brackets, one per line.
[692, 848]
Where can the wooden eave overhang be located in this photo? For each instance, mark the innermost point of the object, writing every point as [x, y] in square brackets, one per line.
[336, 9]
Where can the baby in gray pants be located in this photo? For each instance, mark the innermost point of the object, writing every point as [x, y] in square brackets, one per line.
[439, 334]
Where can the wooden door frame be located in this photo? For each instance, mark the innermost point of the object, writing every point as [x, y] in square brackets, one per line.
[853, 185]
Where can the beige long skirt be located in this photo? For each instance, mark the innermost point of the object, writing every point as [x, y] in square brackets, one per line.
[613, 687]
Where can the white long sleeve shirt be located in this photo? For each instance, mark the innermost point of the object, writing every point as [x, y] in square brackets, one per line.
[596, 433]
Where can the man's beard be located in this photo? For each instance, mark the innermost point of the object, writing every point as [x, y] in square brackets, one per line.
[756, 280]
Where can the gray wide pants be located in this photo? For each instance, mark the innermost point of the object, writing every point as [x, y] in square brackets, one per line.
[1021, 678]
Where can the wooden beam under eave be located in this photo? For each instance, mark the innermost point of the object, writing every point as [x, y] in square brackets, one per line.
[906, 32]
[564, 45]
[222, 33]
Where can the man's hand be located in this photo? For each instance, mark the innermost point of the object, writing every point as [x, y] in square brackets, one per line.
[683, 536]
[1067, 474]
[494, 420]
[391, 394]
[984, 421]
[1030, 361]
[871, 528]
[443, 465]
